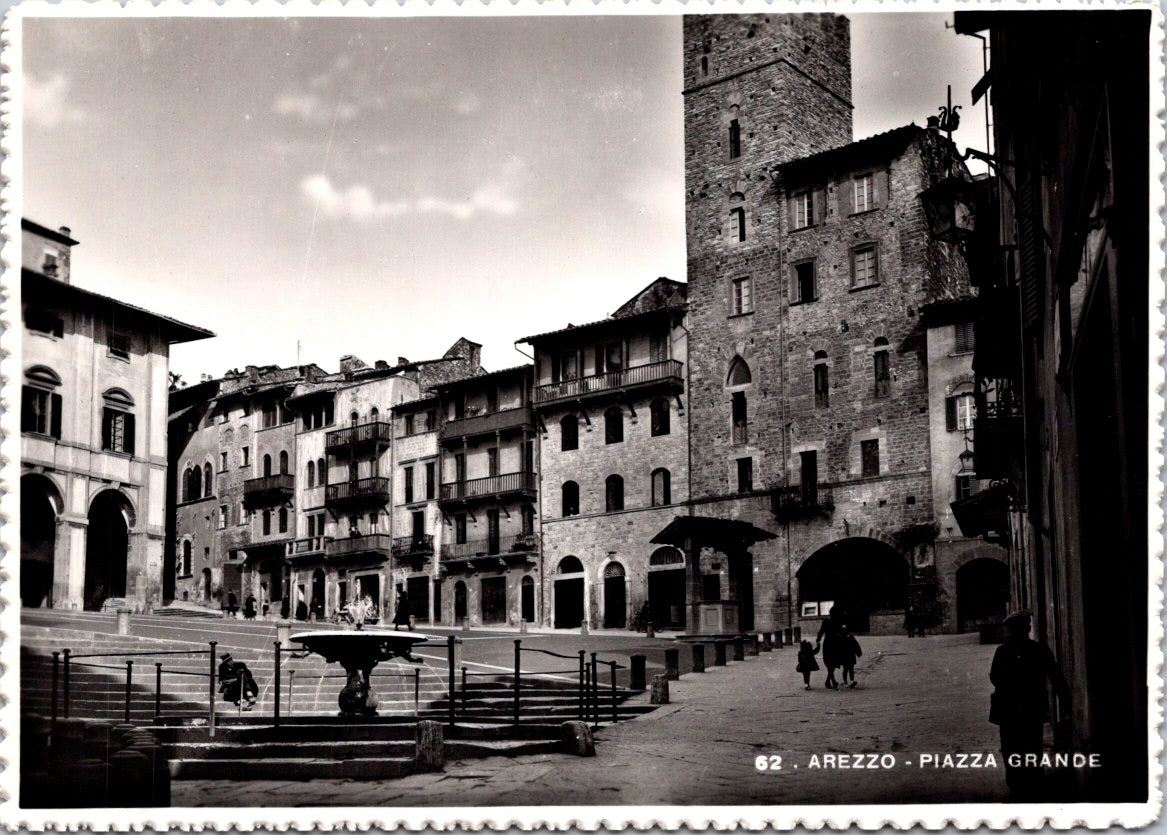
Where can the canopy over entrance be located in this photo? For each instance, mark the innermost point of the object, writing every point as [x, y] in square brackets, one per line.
[734, 538]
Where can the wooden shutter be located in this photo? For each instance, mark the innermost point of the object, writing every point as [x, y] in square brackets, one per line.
[106, 427]
[55, 413]
[27, 412]
[879, 185]
[950, 413]
[1032, 250]
[791, 212]
[820, 206]
[847, 194]
[128, 435]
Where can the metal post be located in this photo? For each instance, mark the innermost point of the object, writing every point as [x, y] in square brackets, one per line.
[518, 651]
[65, 687]
[157, 690]
[276, 708]
[211, 692]
[582, 666]
[291, 689]
[416, 691]
[595, 693]
[463, 690]
[614, 719]
[450, 683]
[129, 685]
[56, 673]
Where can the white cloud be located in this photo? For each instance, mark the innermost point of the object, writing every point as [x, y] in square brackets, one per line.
[46, 102]
[357, 202]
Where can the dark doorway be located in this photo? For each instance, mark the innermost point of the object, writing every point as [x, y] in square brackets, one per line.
[527, 588]
[459, 603]
[982, 593]
[437, 601]
[569, 600]
[861, 576]
[38, 534]
[318, 593]
[741, 580]
[666, 589]
[418, 589]
[207, 585]
[494, 599]
[615, 597]
[106, 549]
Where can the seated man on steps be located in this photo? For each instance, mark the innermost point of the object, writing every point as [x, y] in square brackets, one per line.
[236, 682]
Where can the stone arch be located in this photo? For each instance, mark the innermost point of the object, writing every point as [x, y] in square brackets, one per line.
[864, 577]
[615, 581]
[569, 565]
[984, 550]
[958, 382]
[111, 519]
[41, 505]
[738, 373]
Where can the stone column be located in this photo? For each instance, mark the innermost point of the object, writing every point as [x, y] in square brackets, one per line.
[692, 585]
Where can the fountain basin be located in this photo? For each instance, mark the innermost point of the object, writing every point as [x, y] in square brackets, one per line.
[359, 652]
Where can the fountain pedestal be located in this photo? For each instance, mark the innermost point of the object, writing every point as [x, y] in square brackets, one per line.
[358, 652]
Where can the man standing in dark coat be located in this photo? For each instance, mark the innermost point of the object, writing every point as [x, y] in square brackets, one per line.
[1020, 702]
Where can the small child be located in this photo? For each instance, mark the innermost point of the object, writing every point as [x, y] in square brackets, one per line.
[806, 662]
[851, 652]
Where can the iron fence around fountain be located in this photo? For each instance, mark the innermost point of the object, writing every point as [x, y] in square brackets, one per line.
[589, 686]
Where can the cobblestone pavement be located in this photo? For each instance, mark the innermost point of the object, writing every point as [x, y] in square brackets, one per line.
[914, 697]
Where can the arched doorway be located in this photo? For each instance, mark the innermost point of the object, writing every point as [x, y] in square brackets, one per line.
[615, 597]
[666, 588]
[527, 594]
[982, 592]
[459, 603]
[569, 594]
[318, 593]
[107, 544]
[207, 585]
[862, 576]
[39, 506]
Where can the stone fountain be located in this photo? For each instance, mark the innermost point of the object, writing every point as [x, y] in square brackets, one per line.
[359, 652]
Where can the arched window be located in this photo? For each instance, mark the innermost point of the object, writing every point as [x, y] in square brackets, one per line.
[374, 415]
[613, 493]
[354, 418]
[613, 425]
[739, 373]
[570, 565]
[666, 556]
[117, 422]
[267, 465]
[735, 139]
[283, 520]
[311, 473]
[661, 487]
[881, 368]
[283, 462]
[321, 473]
[960, 409]
[569, 433]
[184, 569]
[741, 423]
[659, 416]
[40, 403]
[208, 483]
[821, 380]
[266, 522]
[570, 498]
[737, 217]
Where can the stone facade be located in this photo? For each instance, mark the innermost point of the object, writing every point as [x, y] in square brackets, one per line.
[93, 467]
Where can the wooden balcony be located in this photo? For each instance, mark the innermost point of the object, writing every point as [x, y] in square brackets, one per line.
[358, 491]
[801, 501]
[373, 544]
[488, 424]
[268, 490]
[490, 487]
[664, 374]
[502, 546]
[378, 431]
[311, 546]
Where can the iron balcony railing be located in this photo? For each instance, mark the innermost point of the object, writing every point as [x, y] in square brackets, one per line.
[365, 432]
[274, 487]
[489, 486]
[406, 546]
[653, 372]
[373, 543]
[308, 545]
[520, 418]
[801, 499]
[375, 488]
[511, 544]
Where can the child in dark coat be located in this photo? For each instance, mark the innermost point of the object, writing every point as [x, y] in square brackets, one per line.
[851, 652]
[806, 662]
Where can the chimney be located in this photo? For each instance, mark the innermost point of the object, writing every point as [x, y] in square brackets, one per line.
[381, 365]
[475, 357]
[66, 231]
[402, 361]
[253, 373]
[934, 124]
[350, 363]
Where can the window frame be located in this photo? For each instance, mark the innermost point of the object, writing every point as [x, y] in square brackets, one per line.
[614, 493]
[660, 417]
[745, 474]
[868, 179]
[568, 440]
[822, 383]
[804, 205]
[741, 296]
[863, 249]
[613, 425]
[569, 508]
[661, 487]
[796, 277]
[964, 338]
[735, 138]
[866, 458]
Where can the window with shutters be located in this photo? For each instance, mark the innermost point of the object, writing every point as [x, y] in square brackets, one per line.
[965, 341]
[743, 296]
[43, 322]
[245, 456]
[613, 493]
[117, 422]
[408, 430]
[222, 516]
[222, 462]
[804, 209]
[736, 230]
[735, 139]
[119, 345]
[960, 409]
[804, 282]
[740, 415]
[864, 266]
[966, 485]
[40, 409]
[208, 480]
[821, 380]
[661, 487]
[863, 192]
[407, 479]
[869, 457]
[431, 480]
[882, 371]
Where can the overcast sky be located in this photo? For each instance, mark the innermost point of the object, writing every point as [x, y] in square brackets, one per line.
[384, 187]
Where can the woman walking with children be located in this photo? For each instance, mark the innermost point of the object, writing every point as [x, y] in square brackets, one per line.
[839, 649]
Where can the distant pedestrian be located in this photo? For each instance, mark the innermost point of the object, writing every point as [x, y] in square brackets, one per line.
[236, 682]
[1020, 702]
[232, 604]
[401, 615]
[830, 638]
[301, 610]
[806, 662]
[249, 607]
[911, 621]
[850, 654]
